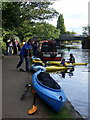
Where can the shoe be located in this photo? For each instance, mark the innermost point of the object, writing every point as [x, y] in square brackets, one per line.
[28, 70]
[17, 68]
[22, 70]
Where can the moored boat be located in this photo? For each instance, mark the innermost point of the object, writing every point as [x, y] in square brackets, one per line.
[48, 57]
[37, 66]
[67, 63]
[79, 63]
[49, 90]
[49, 51]
[38, 61]
[35, 60]
[56, 68]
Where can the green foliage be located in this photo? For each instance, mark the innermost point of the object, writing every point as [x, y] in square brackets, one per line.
[37, 11]
[60, 24]
[14, 13]
[68, 32]
[8, 34]
[86, 31]
[24, 32]
[0, 5]
[63, 114]
[45, 31]
[3, 47]
[2, 44]
[10, 15]
[21, 19]
[41, 30]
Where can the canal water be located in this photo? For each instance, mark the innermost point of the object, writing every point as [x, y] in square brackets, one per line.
[75, 86]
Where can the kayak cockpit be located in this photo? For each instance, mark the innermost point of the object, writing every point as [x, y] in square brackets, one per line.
[47, 80]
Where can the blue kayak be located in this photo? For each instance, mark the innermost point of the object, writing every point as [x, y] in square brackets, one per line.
[37, 66]
[48, 90]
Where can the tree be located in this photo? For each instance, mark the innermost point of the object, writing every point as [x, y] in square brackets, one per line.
[68, 32]
[86, 34]
[37, 10]
[45, 31]
[21, 17]
[86, 31]
[10, 15]
[14, 13]
[60, 24]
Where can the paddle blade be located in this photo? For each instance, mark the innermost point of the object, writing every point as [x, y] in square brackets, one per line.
[33, 91]
[32, 110]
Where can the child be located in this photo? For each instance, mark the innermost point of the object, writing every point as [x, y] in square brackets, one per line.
[63, 62]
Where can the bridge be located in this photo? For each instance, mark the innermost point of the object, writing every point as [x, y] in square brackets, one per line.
[67, 37]
[74, 39]
[70, 38]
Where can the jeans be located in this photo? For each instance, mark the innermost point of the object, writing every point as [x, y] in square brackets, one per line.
[21, 61]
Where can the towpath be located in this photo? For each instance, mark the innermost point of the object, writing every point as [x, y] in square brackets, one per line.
[13, 83]
[13, 86]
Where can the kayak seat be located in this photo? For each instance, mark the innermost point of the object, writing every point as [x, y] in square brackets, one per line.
[47, 80]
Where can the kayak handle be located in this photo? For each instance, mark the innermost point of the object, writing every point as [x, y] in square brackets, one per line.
[61, 98]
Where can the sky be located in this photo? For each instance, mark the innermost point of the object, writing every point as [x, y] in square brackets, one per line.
[75, 13]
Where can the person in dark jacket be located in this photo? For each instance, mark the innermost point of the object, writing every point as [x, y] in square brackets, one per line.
[35, 49]
[14, 47]
[72, 58]
[52, 46]
[24, 53]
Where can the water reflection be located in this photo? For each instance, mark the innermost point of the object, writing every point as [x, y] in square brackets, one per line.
[75, 83]
[70, 72]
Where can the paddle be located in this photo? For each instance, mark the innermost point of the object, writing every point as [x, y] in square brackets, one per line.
[34, 107]
[27, 87]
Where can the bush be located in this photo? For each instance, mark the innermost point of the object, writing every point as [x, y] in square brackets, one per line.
[2, 46]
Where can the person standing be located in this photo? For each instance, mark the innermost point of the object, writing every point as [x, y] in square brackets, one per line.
[25, 53]
[52, 47]
[14, 47]
[10, 48]
[35, 47]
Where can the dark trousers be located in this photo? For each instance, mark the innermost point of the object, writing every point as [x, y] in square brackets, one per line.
[21, 61]
[35, 52]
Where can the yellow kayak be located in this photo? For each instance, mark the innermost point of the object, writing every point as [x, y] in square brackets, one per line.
[59, 63]
[51, 68]
[35, 61]
[54, 62]
[79, 63]
[55, 68]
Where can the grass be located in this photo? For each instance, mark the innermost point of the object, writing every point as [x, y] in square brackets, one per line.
[63, 114]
